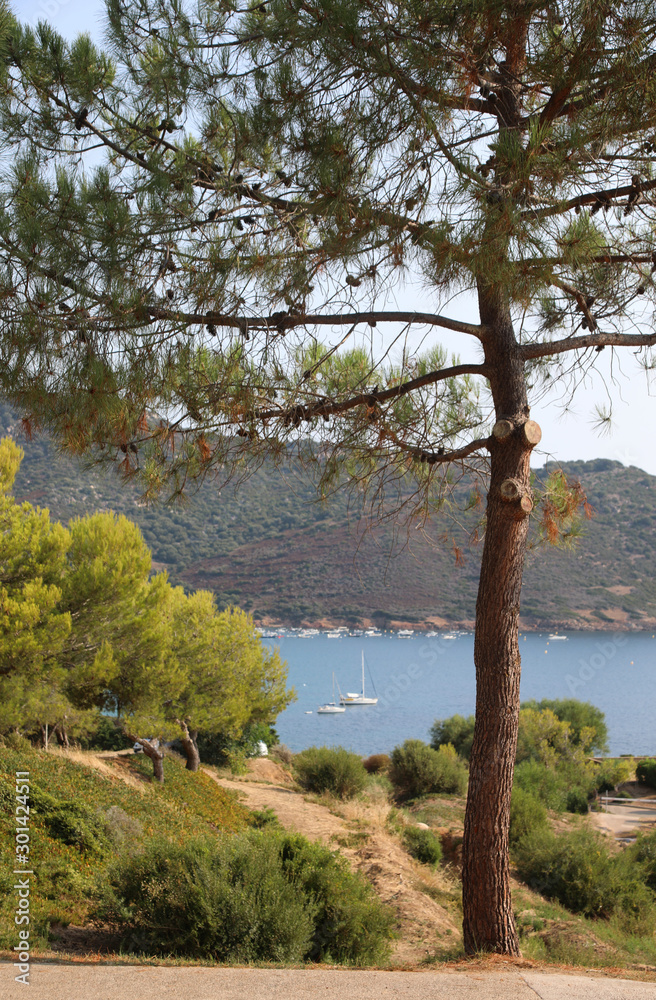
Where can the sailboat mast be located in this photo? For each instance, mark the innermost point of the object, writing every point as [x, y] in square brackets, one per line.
[363, 673]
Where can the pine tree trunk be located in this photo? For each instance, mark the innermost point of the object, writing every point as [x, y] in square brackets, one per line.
[62, 737]
[188, 741]
[157, 758]
[488, 923]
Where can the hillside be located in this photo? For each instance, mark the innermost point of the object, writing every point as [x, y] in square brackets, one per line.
[286, 558]
[82, 817]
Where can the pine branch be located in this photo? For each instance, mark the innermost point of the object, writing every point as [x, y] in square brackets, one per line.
[295, 414]
[441, 457]
[600, 198]
[547, 349]
[287, 321]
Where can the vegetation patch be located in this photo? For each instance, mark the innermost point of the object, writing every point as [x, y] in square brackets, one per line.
[258, 896]
[330, 769]
[417, 769]
[80, 820]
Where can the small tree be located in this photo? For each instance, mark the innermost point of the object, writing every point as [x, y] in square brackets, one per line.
[277, 171]
[230, 677]
[33, 628]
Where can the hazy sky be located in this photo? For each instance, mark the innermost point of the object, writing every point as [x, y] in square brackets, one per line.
[566, 435]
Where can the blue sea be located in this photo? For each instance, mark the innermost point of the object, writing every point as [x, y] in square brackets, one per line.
[418, 679]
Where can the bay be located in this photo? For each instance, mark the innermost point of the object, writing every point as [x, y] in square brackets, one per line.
[419, 679]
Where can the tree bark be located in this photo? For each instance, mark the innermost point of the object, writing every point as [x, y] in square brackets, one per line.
[188, 741]
[156, 756]
[488, 923]
[62, 736]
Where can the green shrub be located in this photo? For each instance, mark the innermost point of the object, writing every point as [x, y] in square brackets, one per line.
[578, 870]
[577, 801]
[73, 823]
[545, 783]
[330, 769]
[417, 769]
[233, 904]
[646, 772]
[376, 762]
[527, 814]
[423, 845]
[456, 730]
[352, 926]
[587, 722]
[260, 818]
[259, 896]
[106, 736]
[643, 852]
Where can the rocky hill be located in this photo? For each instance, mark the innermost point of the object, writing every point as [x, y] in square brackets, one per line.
[271, 548]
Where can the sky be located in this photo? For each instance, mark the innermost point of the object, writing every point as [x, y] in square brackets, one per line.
[568, 432]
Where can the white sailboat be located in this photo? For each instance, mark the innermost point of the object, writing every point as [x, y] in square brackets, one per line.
[357, 699]
[331, 707]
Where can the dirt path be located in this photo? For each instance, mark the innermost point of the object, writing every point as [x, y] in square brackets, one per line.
[424, 925]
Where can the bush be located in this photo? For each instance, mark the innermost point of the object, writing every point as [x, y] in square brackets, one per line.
[578, 870]
[587, 722]
[553, 785]
[330, 769]
[643, 852]
[417, 769]
[527, 814]
[72, 823]
[259, 896]
[423, 845]
[352, 926]
[281, 752]
[646, 772]
[106, 736]
[456, 730]
[377, 762]
[577, 802]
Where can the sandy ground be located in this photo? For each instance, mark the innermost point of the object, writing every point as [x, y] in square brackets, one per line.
[622, 821]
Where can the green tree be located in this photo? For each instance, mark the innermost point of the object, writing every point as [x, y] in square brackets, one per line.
[118, 657]
[33, 628]
[456, 730]
[276, 171]
[230, 677]
[587, 722]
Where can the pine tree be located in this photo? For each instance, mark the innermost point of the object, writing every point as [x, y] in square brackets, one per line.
[204, 294]
[230, 677]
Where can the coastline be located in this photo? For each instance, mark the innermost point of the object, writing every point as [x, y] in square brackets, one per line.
[589, 623]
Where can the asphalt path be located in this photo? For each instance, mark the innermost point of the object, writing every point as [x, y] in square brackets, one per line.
[142, 982]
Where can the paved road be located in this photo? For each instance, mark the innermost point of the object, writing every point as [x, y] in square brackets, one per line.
[112, 982]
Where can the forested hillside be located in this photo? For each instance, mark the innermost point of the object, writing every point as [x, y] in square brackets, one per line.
[277, 552]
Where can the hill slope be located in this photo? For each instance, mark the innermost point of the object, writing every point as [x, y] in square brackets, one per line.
[275, 551]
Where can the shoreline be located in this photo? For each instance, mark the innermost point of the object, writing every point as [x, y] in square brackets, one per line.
[418, 628]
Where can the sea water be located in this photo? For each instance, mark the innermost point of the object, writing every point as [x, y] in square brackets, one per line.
[419, 679]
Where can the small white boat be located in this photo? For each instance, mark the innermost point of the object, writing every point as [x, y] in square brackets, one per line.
[333, 635]
[563, 638]
[357, 699]
[331, 707]
[406, 631]
[309, 713]
[448, 635]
